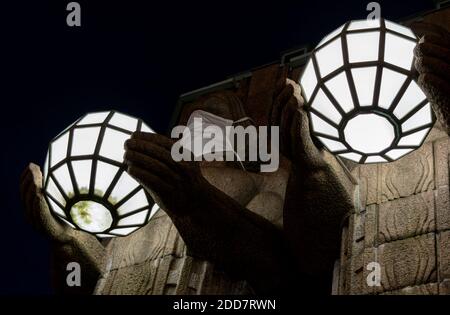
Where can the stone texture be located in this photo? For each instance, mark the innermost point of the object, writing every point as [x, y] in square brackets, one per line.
[440, 18]
[231, 181]
[443, 208]
[346, 178]
[408, 262]
[368, 184]
[358, 232]
[335, 288]
[369, 256]
[401, 207]
[425, 289]
[403, 216]
[410, 175]
[157, 239]
[441, 161]
[266, 204]
[345, 248]
[356, 275]
[444, 287]
[444, 254]
[370, 225]
[260, 93]
[170, 275]
[406, 217]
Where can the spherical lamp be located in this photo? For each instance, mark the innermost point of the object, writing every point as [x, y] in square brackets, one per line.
[85, 180]
[361, 95]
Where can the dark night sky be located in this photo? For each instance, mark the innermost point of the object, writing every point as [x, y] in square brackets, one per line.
[135, 58]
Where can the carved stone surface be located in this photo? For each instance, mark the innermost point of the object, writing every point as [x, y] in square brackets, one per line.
[403, 212]
[371, 226]
[231, 181]
[367, 176]
[425, 289]
[444, 287]
[408, 262]
[402, 205]
[443, 208]
[410, 175]
[355, 280]
[157, 264]
[406, 217]
[157, 239]
[444, 254]
[441, 160]
[357, 273]
[358, 232]
[264, 194]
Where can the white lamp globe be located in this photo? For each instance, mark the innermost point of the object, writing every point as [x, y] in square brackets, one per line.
[361, 95]
[85, 180]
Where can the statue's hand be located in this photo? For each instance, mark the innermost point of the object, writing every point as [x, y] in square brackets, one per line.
[84, 247]
[36, 208]
[295, 138]
[213, 225]
[433, 66]
[173, 185]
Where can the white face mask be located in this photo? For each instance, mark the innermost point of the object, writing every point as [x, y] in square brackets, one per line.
[206, 127]
[212, 138]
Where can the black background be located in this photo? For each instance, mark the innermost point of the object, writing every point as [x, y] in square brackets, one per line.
[136, 57]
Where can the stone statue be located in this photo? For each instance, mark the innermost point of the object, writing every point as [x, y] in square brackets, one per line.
[433, 66]
[222, 223]
[225, 230]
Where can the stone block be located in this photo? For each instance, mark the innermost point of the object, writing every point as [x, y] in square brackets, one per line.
[371, 225]
[441, 161]
[444, 254]
[356, 275]
[442, 196]
[369, 257]
[424, 289]
[358, 232]
[444, 287]
[368, 184]
[157, 239]
[408, 262]
[412, 174]
[406, 217]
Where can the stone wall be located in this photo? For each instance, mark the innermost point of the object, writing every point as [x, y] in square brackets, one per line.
[402, 219]
[154, 261]
[402, 222]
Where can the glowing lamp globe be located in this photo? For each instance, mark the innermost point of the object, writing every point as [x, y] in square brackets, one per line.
[361, 96]
[85, 180]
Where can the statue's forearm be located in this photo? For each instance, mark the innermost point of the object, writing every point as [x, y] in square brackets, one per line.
[83, 249]
[316, 203]
[244, 244]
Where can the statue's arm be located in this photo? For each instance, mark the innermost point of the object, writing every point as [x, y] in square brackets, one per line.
[433, 67]
[69, 245]
[213, 225]
[318, 196]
